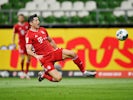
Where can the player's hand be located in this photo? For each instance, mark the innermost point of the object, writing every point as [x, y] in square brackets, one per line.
[39, 57]
[57, 48]
[14, 46]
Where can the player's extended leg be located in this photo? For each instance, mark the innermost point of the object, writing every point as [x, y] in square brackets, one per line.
[27, 64]
[71, 54]
[22, 66]
[27, 67]
[22, 62]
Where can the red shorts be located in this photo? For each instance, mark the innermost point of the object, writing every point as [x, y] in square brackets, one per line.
[22, 49]
[49, 60]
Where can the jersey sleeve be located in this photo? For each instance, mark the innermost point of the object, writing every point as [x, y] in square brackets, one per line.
[28, 38]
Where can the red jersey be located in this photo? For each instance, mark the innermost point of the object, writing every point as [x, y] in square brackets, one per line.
[39, 41]
[21, 30]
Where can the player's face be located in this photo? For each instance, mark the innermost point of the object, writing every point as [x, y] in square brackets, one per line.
[36, 22]
[21, 19]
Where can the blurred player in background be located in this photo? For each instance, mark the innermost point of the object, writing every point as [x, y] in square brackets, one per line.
[47, 52]
[21, 29]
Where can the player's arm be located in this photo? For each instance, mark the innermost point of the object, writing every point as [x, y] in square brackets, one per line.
[52, 42]
[13, 39]
[14, 36]
[31, 53]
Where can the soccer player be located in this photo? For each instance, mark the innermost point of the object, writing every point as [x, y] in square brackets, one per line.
[21, 29]
[47, 52]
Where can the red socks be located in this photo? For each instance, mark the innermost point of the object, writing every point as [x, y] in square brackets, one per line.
[79, 63]
[27, 67]
[22, 65]
[49, 77]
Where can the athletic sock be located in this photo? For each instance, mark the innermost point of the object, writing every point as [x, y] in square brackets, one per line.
[22, 65]
[27, 67]
[79, 63]
[49, 77]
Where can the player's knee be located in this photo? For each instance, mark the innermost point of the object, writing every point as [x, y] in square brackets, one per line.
[22, 59]
[59, 78]
[73, 54]
[28, 61]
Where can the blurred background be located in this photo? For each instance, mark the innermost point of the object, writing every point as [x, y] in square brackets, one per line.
[87, 26]
[92, 12]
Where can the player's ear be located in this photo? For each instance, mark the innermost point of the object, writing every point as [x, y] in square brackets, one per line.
[30, 23]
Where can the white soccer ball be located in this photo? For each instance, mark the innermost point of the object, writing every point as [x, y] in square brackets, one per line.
[122, 34]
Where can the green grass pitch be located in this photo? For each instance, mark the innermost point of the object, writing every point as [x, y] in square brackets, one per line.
[67, 89]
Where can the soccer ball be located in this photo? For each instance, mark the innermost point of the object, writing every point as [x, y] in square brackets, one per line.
[122, 34]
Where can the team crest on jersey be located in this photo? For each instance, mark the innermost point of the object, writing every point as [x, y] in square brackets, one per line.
[22, 32]
[42, 32]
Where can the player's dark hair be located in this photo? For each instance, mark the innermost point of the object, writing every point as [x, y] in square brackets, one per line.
[21, 15]
[30, 18]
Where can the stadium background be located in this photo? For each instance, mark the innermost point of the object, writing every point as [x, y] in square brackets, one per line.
[87, 26]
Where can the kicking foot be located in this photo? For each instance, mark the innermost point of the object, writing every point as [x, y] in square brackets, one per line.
[40, 76]
[88, 73]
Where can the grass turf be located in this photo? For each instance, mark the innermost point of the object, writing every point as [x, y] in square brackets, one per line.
[67, 89]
